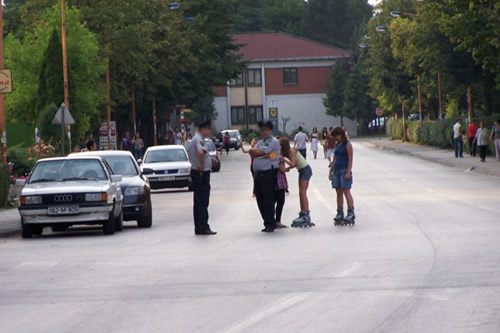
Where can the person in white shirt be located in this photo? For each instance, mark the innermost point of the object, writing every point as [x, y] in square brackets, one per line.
[481, 140]
[178, 137]
[458, 141]
[300, 144]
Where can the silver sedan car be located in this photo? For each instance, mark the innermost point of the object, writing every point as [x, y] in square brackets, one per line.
[61, 192]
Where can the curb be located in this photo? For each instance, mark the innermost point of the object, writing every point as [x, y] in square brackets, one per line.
[10, 233]
[429, 159]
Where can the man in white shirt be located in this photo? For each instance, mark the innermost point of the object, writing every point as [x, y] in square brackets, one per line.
[178, 137]
[300, 144]
[458, 140]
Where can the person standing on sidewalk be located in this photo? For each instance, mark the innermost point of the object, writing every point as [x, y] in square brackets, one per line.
[201, 165]
[471, 135]
[324, 134]
[266, 154]
[330, 146]
[281, 189]
[495, 137]
[300, 142]
[458, 141]
[481, 140]
[314, 142]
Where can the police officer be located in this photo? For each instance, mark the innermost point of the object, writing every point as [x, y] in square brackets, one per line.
[201, 165]
[266, 155]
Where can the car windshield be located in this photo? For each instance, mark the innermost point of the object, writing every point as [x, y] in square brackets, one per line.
[166, 155]
[65, 170]
[122, 165]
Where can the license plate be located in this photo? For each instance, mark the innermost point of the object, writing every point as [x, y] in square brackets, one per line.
[66, 210]
[165, 179]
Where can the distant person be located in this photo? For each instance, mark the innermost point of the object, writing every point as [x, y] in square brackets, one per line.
[324, 134]
[458, 141]
[471, 135]
[126, 143]
[330, 146]
[481, 140]
[281, 191]
[294, 159]
[178, 137]
[90, 145]
[138, 146]
[189, 134]
[300, 142]
[169, 137]
[341, 176]
[314, 142]
[495, 137]
[227, 142]
[245, 151]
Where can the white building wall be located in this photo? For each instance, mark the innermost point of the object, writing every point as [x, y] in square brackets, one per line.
[223, 116]
[306, 110]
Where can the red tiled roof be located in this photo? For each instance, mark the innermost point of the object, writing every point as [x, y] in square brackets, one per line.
[278, 45]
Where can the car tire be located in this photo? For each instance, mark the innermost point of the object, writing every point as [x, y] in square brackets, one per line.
[146, 221]
[27, 230]
[108, 227]
[119, 221]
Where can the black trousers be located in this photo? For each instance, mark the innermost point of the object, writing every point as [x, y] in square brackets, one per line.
[253, 177]
[472, 147]
[459, 146]
[280, 203]
[482, 152]
[201, 199]
[265, 193]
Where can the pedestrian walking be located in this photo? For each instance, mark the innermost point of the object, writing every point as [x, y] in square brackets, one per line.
[330, 146]
[324, 134]
[495, 137]
[90, 145]
[138, 146]
[481, 140]
[471, 135]
[126, 143]
[245, 151]
[458, 141]
[201, 166]
[314, 142]
[266, 154]
[177, 137]
[341, 176]
[227, 142]
[281, 190]
[294, 159]
[300, 142]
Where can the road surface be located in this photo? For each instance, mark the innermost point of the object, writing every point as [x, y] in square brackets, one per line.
[423, 257]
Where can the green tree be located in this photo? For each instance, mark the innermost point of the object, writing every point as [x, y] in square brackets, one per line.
[334, 100]
[285, 16]
[250, 15]
[358, 104]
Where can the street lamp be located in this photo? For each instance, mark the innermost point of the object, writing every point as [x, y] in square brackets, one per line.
[363, 45]
[189, 19]
[174, 5]
[381, 29]
[3, 125]
[396, 13]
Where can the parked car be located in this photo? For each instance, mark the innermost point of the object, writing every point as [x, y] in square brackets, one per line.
[167, 167]
[235, 137]
[66, 191]
[212, 150]
[135, 187]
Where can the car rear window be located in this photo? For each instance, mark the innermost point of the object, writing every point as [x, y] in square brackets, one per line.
[122, 165]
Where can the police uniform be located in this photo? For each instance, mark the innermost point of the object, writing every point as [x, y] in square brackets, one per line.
[201, 184]
[265, 172]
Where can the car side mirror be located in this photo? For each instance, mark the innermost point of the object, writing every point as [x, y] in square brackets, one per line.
[147, 171]
[116, 178]
[20, 182]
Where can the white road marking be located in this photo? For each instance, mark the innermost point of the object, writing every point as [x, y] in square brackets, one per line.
[36, 264]
[354, 267]
[268, 312]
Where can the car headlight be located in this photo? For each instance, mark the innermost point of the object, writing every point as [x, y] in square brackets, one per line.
[185, 170]
[96, 197]
[134, 190]
[31, 200]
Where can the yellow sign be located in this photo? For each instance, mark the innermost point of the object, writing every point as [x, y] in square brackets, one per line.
[5, 81]
[273, 112]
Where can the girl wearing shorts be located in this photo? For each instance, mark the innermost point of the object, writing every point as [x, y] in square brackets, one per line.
[341, 175]
[294, 159]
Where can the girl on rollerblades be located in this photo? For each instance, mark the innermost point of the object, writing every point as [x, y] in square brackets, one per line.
[341, 176]
[294, 159]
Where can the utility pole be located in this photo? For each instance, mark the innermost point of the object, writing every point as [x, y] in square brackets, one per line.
[419, 91]
[469, 104]
[3, 125]
[404, 120]
[155, 137]
[108, 89]
[65, 63]
[440, 102]
[133, 109]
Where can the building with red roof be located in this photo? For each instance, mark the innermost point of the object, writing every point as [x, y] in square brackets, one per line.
[286, 77]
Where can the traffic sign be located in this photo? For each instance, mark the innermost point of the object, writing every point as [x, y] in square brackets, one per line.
[5, 81]
[63, 116]
[379, 112]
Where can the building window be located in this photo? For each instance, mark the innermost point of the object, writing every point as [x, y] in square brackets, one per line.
[255, 114]
[238, 115]
[290, 76]
[254, 77]
[238, 82]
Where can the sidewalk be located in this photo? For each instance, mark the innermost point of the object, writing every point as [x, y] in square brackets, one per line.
[437, 155]
[9, 222]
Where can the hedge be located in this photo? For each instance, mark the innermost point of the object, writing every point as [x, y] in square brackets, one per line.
[4, 184]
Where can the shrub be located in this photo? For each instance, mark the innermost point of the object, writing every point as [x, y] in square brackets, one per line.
[394, 129]
[4, 184]
[414, 131]
[21, 159]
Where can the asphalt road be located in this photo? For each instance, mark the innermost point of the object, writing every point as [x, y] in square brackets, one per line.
[423, 257]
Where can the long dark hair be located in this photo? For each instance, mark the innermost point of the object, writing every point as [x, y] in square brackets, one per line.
[339, 131]
[324, 132]
[284, 147]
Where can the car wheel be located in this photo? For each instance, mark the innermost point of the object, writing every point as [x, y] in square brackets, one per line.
[27, 230]
[119, 221]
[146, 221]
[37, 230]
[108, 227]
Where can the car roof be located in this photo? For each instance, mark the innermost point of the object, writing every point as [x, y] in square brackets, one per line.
[166, 147]
[103, 153]
[70, 157]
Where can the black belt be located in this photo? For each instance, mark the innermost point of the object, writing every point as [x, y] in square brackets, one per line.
[265, 172]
